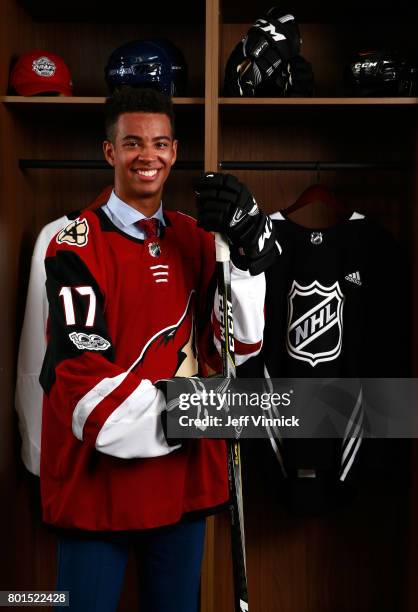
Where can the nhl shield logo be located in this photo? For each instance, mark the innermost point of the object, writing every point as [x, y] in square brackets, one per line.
[315, 325]
[316, 238]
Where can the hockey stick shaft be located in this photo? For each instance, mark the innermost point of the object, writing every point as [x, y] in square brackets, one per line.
[234, 459]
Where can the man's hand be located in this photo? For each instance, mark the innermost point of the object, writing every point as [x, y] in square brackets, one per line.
[226, 206]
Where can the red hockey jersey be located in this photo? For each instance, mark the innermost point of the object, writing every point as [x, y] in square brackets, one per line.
[124, 313]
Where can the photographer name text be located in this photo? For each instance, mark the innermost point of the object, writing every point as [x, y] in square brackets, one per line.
[241, 421]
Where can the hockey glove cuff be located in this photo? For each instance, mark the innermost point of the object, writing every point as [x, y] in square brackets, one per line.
[182, 394]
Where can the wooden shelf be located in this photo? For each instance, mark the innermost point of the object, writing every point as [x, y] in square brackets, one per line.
[318, 101]
[78, 100]
[99, 100]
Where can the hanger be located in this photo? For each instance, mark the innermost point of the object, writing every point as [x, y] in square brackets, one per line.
[316, 193]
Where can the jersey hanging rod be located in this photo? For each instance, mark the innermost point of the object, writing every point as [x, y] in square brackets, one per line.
[319, 166]
[90, 164]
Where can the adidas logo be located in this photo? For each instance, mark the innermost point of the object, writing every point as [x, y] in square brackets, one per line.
[354, 277]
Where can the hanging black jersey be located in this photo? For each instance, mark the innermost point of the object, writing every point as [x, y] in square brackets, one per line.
[334, 302]
[334, 309]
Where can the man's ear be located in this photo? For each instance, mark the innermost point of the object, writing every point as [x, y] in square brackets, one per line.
[109, 152]
[175, 142]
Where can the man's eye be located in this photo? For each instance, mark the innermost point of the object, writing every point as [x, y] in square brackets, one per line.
[162, 145]
[131, 144]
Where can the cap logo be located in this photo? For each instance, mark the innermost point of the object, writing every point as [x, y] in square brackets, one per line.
[44, 67]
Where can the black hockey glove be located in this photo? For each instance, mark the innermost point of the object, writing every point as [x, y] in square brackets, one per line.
[226, 206]
[240, 77]
[301, 78]
[291, 79]
[270, 43]
[188, 396]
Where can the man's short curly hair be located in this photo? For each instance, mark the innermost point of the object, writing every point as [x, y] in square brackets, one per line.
[135, 100]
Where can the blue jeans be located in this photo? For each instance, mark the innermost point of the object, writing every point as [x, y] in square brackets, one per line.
[92, 568]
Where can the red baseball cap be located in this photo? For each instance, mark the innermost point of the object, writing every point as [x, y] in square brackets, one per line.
[37, 72]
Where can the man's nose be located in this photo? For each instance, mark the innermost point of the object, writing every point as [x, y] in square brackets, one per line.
[146, 154]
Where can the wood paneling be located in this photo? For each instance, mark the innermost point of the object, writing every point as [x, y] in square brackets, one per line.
[61, 129]
[318, 101]
[14, 27]
[411, 581]
[302, 134]
[208, 600]
[212, 85]
[350, 559]
[354, 560]
[346, 11]
[78, 100]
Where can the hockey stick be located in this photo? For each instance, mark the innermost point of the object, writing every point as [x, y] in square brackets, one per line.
[234, 458]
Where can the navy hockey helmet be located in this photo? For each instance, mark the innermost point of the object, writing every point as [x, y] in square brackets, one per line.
[148, 63]
[382, 72]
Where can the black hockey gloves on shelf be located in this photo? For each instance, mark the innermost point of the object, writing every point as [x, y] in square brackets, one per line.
[262, 58]
[301, 78]
[226, 206]
[188, 396]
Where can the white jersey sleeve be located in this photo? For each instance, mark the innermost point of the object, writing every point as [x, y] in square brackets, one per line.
[32, 347]
[248, 296]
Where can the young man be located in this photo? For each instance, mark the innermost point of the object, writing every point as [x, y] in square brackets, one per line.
[128, 288]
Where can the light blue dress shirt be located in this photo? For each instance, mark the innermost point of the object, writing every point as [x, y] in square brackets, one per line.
[124, 216]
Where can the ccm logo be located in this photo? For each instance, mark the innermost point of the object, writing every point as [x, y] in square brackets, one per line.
[269, 29]
[227, 324]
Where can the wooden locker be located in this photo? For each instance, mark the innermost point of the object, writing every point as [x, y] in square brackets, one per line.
[365, 558]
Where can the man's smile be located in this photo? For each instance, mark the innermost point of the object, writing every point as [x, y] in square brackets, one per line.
[147, 174]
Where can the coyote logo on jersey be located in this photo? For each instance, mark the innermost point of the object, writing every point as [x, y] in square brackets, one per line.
[315, 325]
[75, 233]
[174, 346]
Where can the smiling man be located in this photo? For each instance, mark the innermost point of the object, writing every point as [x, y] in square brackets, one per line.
[130, 290]
[142, 149]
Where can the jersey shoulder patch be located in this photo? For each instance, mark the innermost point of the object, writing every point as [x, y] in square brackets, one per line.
[75, 233]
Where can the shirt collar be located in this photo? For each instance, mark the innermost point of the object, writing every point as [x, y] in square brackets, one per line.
[127, 215]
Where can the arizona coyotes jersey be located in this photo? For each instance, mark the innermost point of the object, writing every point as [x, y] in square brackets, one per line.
[123, 313]
[333, 310]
